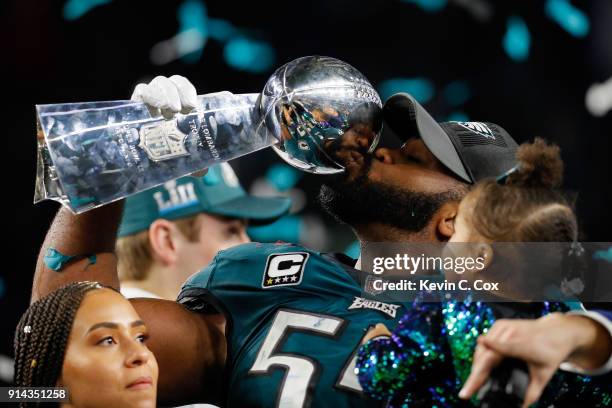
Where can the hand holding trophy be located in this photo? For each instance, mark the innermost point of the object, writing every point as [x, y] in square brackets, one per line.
[94, 153]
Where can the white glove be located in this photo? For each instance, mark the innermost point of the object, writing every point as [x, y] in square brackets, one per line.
[167, 96]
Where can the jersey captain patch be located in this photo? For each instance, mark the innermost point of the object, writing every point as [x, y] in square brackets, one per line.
[285, 269]
[386, 308]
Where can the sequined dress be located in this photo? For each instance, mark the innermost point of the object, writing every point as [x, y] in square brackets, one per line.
[429, 357]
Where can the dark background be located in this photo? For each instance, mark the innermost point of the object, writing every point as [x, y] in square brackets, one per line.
[51, 57]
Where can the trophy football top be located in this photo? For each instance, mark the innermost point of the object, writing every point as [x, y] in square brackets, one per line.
[317, 106]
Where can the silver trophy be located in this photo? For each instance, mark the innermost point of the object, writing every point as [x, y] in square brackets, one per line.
[312, 108]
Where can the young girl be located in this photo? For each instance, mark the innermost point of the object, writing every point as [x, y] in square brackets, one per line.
[427, 358]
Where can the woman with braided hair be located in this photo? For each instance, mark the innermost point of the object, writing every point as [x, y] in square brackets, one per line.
[90, 340]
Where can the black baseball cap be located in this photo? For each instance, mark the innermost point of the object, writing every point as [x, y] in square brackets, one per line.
[471, 150]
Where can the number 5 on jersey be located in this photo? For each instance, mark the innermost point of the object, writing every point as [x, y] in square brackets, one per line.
[302, 372]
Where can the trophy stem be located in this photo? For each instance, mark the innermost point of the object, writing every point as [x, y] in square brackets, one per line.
[90, 154]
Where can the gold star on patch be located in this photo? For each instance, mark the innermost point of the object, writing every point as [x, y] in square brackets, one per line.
[269, 281]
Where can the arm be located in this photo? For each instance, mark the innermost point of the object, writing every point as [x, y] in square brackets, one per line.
[376, 372]
[93, 232]
[586, 361]
[405, 360]
[544, 344]
[190, 349]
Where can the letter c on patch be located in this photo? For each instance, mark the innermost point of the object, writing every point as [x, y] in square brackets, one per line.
[274, 270]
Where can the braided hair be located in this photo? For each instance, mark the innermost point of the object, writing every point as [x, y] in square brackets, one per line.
[42, 335]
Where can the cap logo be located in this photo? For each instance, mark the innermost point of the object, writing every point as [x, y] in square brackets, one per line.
[478, 127]
[229, 176]
[176, 197]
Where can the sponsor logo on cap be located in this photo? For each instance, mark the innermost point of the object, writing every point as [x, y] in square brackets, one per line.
[175, 197]
[363, 303]
[478, 127]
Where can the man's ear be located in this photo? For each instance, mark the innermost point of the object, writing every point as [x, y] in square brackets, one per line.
[445, 216]
[385, 155]
[162, 240]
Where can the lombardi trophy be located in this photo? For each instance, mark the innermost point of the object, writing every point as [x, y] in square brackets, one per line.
[93, 153]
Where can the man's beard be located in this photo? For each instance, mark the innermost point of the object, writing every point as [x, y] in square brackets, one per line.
[361, 201]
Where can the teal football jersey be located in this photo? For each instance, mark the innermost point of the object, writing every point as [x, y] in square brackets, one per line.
[295, 320]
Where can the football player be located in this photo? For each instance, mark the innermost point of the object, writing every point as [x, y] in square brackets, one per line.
[278, 324]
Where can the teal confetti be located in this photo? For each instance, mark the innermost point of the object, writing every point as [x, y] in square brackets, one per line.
[517, 39]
